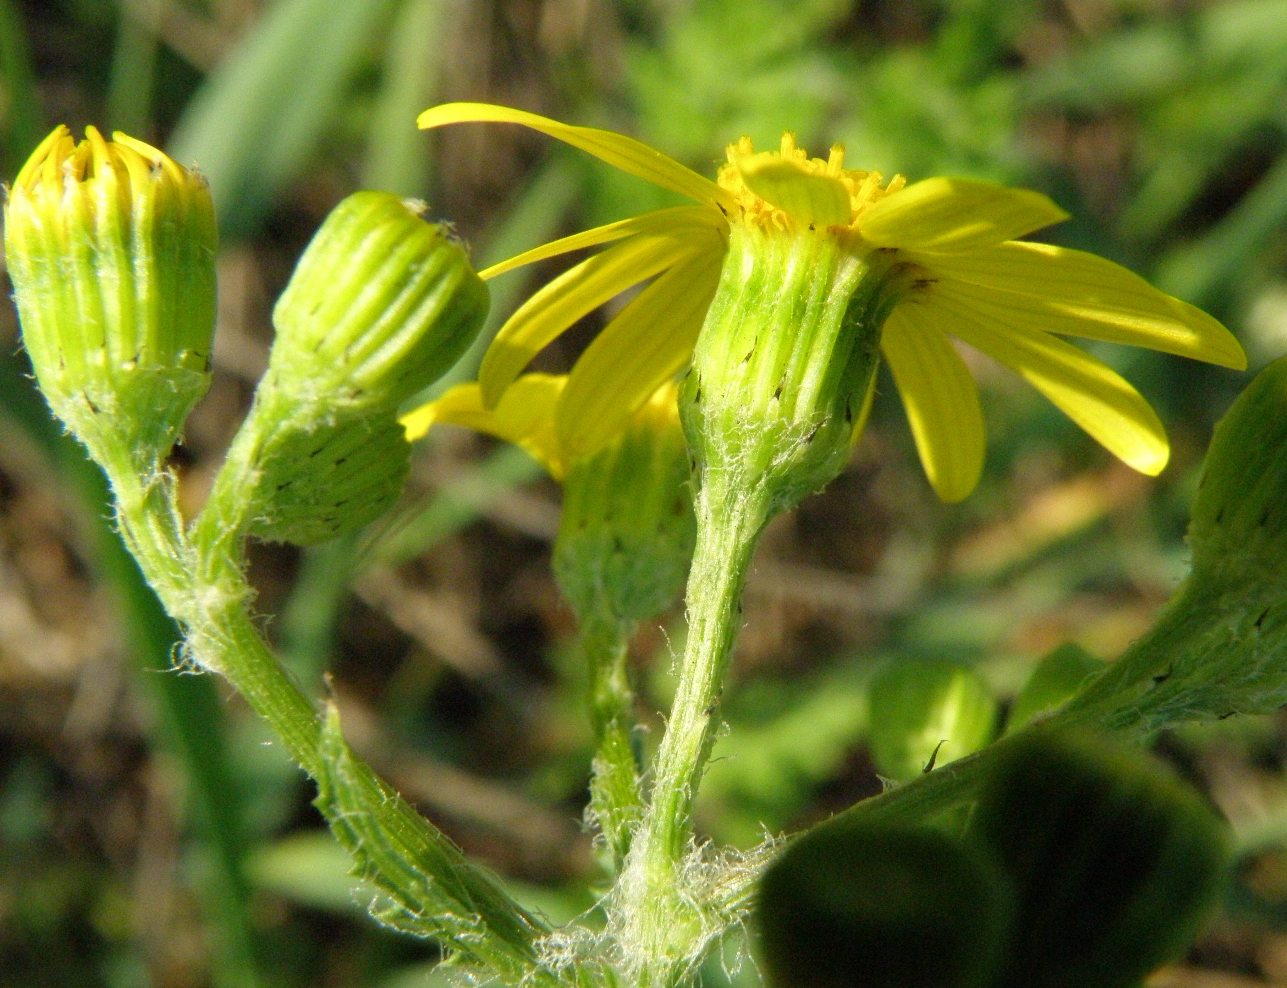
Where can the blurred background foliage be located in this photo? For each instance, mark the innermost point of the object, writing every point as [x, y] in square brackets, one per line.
[149, 832]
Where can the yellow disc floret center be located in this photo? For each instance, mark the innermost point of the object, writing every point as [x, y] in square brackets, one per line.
[786, 189]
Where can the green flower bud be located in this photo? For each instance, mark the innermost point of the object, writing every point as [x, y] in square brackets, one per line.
[111, 248]
[627, 528]
[380, 306]
[1114, 862]
[854, 903]
[927, 713]
[626, 534]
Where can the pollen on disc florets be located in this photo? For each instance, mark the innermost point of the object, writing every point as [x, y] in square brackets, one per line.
[786, 189]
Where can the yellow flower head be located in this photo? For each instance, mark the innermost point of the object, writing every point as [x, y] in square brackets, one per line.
[786, 188]
[948, 250]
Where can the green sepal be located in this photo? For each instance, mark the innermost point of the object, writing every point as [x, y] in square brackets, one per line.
[927, 713]
[783, 369]
[1113, 861]
[857, 904]
[1055, 679]
[337, 478]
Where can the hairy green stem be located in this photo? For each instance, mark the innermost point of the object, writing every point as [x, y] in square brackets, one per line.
[433, 887]
[208, 595]
[659, 921]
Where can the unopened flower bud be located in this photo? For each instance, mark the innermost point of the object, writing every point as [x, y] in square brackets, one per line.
[111, 248]
[380, 306]
[626, 535]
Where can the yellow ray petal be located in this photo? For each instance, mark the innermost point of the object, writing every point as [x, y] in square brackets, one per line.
[675, 220]
[1090, 393]
[955, 214]
[810, 198]
[648, 342]
[626, 153]
[524, 416]
[940, 398]
[576, 292]
[1073, 293]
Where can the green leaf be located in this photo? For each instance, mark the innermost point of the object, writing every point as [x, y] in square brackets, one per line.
[1113, 861]
[852, 903]
[1221, 645]
[926, 713]
[1056, 678]
[1219, 648]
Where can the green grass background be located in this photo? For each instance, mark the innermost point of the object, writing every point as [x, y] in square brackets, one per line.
[151, 835]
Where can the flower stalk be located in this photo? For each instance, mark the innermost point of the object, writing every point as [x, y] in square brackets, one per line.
[657, 918]
[616, 797]
[780, 383]
[112, 250]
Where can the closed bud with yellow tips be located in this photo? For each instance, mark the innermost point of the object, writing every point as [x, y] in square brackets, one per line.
[111, 248]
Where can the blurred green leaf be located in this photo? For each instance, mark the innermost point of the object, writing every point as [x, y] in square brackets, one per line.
[851, 903]
[1200, 271]
[258, 119]
[397, 158]
[786, 738]
[20, 116]
[1113, 861]
[925, 713]
[1206, 91]
[311, 868]
[129, 92]
[1151, 60]
[1056, 678]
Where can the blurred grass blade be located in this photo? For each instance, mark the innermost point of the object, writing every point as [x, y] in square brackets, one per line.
[130, 89]
[1199, 272]
[397, 153]
[20, 117]
[454, 506]
[256, 121]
